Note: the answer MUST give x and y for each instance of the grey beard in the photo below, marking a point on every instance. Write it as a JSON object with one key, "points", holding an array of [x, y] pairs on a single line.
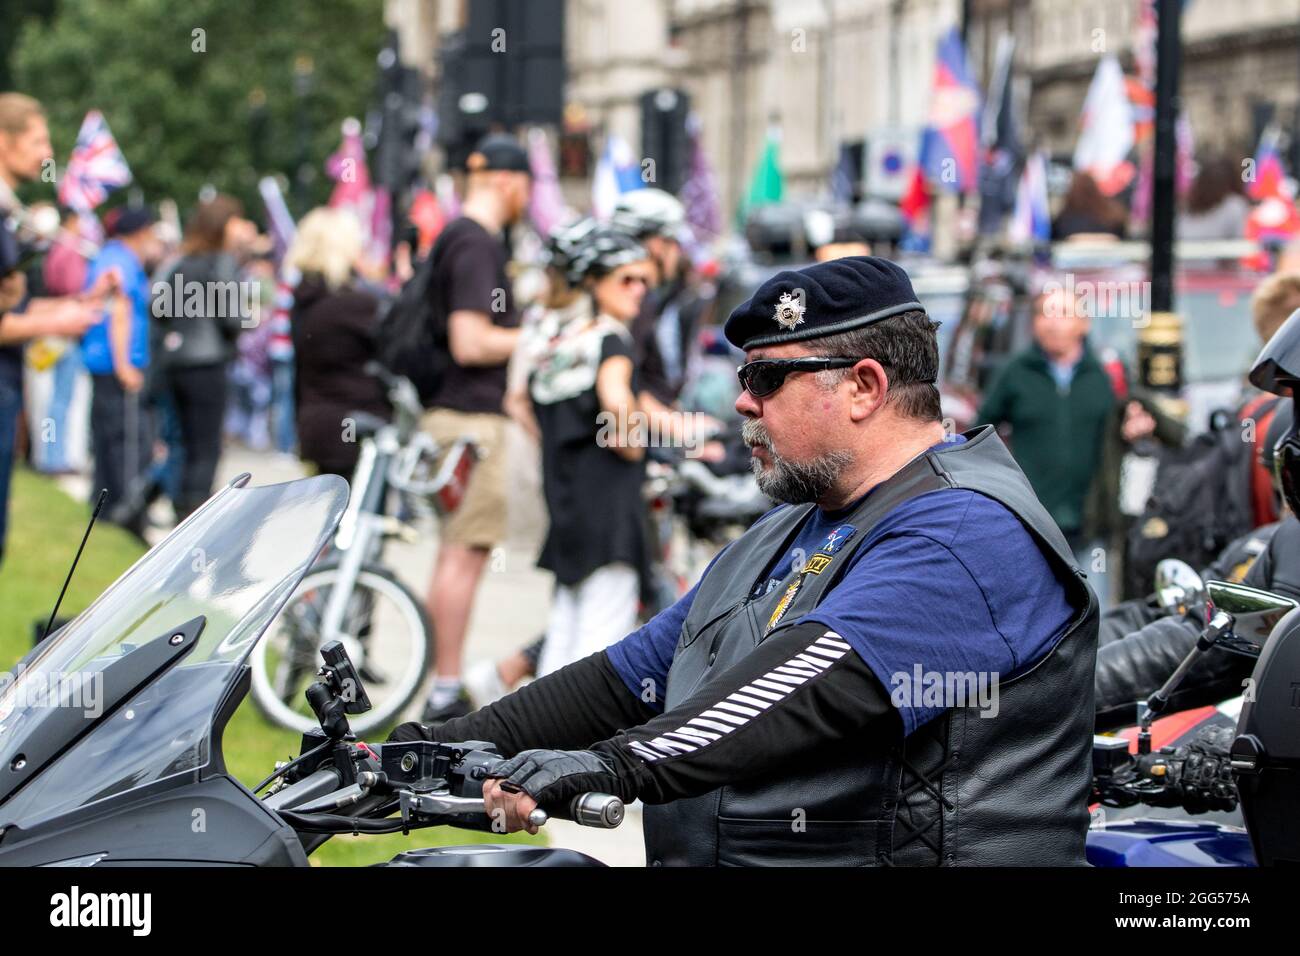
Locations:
{"points": [[794, 482]]}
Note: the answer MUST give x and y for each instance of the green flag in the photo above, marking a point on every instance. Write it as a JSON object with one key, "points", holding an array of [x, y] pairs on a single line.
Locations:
{"points": [[767, 184]]}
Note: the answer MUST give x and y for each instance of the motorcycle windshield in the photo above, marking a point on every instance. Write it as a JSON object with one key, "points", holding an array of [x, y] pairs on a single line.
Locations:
{"points": [[235, 561]]}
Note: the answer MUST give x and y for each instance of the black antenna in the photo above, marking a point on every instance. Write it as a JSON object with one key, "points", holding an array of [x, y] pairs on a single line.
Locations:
{"points": [[99, 503]]}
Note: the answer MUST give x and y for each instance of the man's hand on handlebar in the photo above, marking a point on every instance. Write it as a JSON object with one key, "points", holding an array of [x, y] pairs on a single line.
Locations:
{"points": [[511, 809], [547, 778]]}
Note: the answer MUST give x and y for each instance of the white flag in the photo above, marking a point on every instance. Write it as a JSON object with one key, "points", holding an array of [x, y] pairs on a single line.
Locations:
{"points": [[1106, 127]]}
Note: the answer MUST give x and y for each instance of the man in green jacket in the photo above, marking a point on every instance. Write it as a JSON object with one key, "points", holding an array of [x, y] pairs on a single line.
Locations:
{"points": [[1060, 406]]}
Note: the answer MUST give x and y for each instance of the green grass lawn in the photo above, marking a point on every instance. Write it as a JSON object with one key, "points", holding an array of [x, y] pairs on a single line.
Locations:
{"points": [[45, 527]]}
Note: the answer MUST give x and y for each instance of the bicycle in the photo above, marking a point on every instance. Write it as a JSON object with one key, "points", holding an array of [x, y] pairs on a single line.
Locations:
{"points": [[350, 595]]}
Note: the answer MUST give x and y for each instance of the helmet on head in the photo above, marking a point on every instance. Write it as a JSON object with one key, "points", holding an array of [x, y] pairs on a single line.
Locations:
{"points": [[1277, 370], [602, 250], [564, 243], [1278, 365], [649, 212]]}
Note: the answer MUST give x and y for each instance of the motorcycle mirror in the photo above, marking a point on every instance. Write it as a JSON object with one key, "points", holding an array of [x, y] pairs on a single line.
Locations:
{"points": [[1178, 587], [1256, 613]]}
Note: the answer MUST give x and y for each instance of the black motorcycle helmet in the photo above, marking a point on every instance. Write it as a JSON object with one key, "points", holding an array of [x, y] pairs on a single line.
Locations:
{"points": [[1277, 370]]}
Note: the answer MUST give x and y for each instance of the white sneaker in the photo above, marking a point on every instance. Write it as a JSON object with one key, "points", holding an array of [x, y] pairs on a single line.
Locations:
{"points": [[483, 683]]}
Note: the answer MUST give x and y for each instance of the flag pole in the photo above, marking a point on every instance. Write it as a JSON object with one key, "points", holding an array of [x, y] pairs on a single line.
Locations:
{"points": [[1163, 212], [1160, 339]]}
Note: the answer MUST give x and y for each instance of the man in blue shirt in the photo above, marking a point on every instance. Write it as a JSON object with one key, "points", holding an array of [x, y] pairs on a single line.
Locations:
{"points": [[115, 352], [895, 667]]}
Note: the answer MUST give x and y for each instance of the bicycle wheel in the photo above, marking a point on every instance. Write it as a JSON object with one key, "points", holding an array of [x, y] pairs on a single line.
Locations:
{"points": [[386, 634]]}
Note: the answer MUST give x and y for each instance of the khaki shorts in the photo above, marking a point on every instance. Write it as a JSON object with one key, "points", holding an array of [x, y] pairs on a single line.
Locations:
{"points": [[480, 521]]}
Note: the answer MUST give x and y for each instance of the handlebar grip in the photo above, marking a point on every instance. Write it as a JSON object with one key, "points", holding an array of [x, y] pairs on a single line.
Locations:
{"points": [[601, 810]]}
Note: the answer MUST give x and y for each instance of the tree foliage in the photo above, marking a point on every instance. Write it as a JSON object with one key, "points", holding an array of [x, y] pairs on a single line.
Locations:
{"points": [[204, 91]]}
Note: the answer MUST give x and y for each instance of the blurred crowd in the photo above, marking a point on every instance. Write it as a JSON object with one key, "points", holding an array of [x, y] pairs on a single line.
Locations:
{"points": [[140, 348], [159, 344]]}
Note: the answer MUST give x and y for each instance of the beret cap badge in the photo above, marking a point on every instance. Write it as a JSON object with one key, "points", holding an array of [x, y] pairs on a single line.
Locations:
{"points": [[789, 311]]}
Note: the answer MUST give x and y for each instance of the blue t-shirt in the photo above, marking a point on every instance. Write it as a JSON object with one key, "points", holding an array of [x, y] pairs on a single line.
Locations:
{"points": [[948, 583], [96, 351]]}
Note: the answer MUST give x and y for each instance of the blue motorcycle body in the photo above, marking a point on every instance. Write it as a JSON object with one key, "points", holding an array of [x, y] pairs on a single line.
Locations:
{"points": [[1170, 843]]}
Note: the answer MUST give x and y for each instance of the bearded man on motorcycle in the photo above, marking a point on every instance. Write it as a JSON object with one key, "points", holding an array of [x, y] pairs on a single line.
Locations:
{"points": [[1132, 665], [812, 700]]}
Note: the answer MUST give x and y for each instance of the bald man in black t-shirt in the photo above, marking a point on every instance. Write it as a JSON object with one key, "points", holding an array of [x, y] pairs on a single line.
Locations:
{"points": [[472, 292]]}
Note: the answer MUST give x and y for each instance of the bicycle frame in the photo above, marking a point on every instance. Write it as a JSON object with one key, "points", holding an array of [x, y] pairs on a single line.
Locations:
{"points": [[363, 526], [389, 461]]}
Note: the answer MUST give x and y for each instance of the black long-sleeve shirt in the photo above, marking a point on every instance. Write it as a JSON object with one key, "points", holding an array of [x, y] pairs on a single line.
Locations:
{"points": [[801, 689]]}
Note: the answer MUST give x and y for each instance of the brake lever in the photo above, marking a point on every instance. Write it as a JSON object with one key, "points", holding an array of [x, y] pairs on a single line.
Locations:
{"points": [[444, 804]]}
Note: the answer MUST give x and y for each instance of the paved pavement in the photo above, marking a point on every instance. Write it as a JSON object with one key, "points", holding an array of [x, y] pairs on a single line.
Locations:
{"points": [[511, 608]]}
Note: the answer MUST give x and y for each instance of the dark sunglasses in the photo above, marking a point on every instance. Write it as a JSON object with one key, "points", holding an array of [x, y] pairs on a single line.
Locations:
{"points": [[764, 376]]}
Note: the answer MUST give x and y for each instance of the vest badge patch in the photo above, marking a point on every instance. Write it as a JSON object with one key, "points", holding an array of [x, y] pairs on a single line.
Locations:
{"points": [[783, 605], [816, 564], [837, 538]]}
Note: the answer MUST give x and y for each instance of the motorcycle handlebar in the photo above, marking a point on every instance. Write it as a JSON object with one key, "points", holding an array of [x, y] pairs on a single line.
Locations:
{"points": [[319, 798], [309, 788], [600, 810]]}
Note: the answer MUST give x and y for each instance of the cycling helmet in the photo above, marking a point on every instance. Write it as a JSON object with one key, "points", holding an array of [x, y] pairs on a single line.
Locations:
{"points": [[563, 244], [649, 212], [602, 250]]}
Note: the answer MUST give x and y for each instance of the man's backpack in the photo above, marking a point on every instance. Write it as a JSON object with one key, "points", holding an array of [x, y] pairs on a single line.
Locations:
{"points": [[412, 335], [1202, 499]]}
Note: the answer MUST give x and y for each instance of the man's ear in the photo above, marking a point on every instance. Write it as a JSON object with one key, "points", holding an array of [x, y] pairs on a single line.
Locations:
{"points": [[868, 388]]}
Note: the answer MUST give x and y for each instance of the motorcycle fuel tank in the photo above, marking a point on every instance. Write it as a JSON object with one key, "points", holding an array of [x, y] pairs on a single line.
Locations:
{"points": [[1168, 843]]}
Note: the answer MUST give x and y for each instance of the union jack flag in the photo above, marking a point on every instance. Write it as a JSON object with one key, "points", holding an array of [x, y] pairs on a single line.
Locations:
{"points": [[96, 166]]}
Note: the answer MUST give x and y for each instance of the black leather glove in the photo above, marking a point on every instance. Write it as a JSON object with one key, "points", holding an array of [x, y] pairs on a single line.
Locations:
{"points": [[554, 777], [1206, 771]]}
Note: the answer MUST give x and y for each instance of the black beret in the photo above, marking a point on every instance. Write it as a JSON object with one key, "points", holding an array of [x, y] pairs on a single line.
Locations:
{"points": [[822, 299]]}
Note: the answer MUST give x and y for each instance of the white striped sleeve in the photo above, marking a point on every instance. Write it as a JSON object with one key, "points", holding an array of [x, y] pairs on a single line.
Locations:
{"points": [[743, 705]]}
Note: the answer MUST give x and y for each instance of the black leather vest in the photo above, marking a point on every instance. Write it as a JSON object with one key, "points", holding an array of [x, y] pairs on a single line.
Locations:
{"points": [[963, 789]]}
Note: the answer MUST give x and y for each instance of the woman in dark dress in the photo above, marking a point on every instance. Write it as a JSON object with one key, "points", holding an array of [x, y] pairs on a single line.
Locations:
{"points": [[333, 325], [580, 382], [194, 351]]}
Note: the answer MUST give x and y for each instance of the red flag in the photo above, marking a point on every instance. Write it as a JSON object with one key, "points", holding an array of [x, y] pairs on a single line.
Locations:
{"points": [[915, 201]]}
